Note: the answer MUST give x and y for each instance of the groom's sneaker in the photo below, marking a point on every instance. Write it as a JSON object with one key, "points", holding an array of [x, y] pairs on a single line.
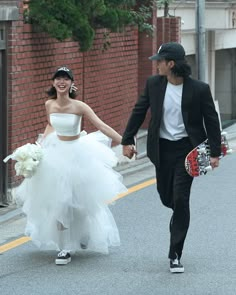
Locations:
{"points": [[63, 258], [176, 266]]}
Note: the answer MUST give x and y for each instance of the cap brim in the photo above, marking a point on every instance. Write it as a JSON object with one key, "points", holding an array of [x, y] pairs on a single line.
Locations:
{"points": [[156, 57], [57, 74]]}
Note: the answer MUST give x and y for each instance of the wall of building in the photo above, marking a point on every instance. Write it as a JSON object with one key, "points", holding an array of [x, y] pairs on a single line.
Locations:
{"points": [[109, 81], [106, 80], [224, 83], [220, 27]]}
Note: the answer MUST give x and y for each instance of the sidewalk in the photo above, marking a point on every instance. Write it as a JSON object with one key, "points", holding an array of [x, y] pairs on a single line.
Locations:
{"points": [[133, 172]]}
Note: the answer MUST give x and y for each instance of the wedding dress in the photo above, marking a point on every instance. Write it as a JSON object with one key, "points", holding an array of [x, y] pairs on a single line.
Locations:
{"points": [[66, 200]]}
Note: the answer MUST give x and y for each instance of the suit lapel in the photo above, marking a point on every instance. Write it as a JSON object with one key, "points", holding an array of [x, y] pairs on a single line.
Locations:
{"points": [[187, 97], [160, 92]]}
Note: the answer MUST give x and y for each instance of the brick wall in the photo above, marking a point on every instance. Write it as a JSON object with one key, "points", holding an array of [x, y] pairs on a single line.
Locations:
{"points": [[110, 78], [168, 30], [147, 47], [107, 80]]}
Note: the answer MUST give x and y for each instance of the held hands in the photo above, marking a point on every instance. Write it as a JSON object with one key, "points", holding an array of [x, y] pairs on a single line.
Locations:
{"points": [[129, 151], [214, 162]]}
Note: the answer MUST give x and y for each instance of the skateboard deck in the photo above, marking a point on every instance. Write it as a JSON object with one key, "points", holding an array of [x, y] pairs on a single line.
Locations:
{"points": [[197, 162]]}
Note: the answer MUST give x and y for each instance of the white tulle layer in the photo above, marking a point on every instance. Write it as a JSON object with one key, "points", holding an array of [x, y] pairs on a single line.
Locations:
{"points": [[66, 201]]}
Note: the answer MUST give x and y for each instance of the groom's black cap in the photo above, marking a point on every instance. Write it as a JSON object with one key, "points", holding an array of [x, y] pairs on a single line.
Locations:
{"points": [[170, 51]]}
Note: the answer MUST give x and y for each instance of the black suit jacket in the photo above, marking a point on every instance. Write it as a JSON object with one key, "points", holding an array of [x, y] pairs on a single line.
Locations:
{"points": [[199, 115]]}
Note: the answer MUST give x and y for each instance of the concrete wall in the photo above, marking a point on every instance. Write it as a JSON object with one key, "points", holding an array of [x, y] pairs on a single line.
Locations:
{"points": [[220, 26], [224, 83]]}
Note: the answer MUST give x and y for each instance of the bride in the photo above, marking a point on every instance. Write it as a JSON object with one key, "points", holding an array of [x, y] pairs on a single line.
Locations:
{"points": [[66, 200]]}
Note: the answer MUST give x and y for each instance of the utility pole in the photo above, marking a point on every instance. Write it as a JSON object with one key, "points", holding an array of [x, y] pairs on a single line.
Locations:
{"points": [[200, 40]]}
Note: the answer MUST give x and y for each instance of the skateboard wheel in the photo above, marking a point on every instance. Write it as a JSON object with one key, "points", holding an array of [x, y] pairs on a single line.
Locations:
{"points": [[208, 168], [229, 151]]}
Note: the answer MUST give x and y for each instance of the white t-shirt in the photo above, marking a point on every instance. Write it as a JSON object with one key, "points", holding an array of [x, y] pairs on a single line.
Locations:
{"points": [[172, 125]]}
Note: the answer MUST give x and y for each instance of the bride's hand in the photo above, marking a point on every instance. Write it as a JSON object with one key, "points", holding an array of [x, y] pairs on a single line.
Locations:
{"points": [[73, 88]]}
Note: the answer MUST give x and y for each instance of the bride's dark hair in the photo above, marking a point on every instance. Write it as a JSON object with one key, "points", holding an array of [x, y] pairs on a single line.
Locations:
{"points": [[53, 94]]}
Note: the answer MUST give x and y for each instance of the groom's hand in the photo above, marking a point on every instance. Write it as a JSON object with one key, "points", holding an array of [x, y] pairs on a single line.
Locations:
{"points": [[129, 151], [214, 162]]}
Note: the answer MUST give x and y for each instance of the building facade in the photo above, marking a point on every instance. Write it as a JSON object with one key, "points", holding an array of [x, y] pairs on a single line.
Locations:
{"points": [[106, 79], [220, 41], [8, 14], [109, 81]]}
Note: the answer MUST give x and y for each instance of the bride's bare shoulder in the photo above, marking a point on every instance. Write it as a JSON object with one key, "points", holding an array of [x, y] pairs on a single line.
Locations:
{"points": [[49, 102], [80, 106]]}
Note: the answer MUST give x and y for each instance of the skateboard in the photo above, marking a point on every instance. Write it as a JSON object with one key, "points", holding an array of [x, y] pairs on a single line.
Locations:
{"points": [[197, 162]]}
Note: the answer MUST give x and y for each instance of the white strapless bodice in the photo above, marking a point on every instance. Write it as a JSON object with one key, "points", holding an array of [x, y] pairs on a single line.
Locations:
{"points": [[66, 124]]}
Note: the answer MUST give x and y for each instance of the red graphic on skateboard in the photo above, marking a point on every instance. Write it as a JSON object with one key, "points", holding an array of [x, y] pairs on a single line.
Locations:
{"points": [[197, 162]]}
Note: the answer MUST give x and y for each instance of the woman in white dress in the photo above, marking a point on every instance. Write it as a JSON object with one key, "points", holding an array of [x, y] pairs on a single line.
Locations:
{"points": [[66, 200]]}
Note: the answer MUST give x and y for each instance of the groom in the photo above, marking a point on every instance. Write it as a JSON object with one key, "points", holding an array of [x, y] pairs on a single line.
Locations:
{"points": [[182, 116]]}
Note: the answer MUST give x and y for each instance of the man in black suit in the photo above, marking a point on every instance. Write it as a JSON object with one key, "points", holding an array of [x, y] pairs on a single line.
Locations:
{"points": [[182, 116]]}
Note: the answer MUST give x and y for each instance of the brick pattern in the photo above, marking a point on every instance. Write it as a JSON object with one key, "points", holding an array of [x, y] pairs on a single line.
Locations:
{"points": [[147, 47], [168, 30], [110, 78], [107, 80]]}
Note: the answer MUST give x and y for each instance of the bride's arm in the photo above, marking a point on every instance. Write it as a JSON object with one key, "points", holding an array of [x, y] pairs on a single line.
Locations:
{"points": [[49, 129], [99, 124]]}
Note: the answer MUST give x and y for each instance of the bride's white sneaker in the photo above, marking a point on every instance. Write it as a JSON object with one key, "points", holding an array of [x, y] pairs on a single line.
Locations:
{"points": [[63, 258]]}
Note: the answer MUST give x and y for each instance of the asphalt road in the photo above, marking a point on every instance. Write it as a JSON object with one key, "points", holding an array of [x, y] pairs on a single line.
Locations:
{"points": [[140, 266]]}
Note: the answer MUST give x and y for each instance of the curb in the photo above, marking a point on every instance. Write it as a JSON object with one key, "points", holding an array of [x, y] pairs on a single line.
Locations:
{"points": [[133, 166], [12, 214]]}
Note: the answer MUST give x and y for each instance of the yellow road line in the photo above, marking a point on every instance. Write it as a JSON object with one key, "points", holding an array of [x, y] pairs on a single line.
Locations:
{"points": [[14, 244], [24, 240], [136, 188]]}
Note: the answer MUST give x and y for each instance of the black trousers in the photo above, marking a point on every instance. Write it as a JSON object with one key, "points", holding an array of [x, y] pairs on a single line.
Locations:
{"points": [[174, 185]]}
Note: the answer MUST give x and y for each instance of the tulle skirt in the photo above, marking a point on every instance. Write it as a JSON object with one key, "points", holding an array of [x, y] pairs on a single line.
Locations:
{"points": [[66, 200]]}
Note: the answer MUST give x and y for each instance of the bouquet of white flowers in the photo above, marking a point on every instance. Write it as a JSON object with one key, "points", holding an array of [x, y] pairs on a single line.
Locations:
{"points": [[27, 159]]}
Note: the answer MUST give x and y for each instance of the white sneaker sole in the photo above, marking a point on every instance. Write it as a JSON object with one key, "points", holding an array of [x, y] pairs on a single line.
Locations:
{"points": [[177, 270], [62, 261]]}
